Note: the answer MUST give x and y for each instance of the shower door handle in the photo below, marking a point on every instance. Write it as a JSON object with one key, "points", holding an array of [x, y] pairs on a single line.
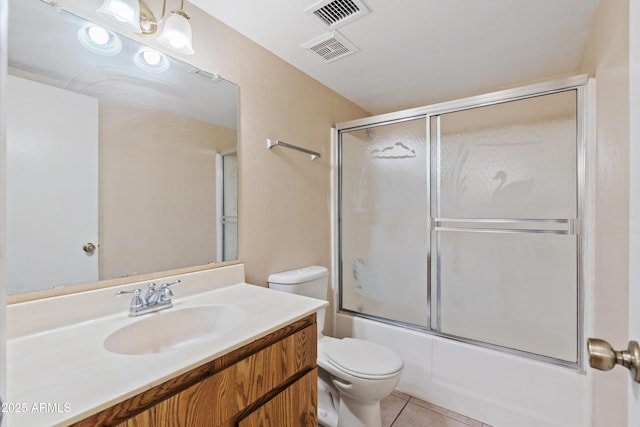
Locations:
{"points": [[603, 357]]}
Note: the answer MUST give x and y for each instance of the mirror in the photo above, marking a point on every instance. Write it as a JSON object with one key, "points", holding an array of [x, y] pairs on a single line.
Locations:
{"points": [[121, 160]]}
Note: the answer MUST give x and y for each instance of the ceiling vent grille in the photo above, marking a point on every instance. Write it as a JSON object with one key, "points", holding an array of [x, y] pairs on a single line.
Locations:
{"points": [[336, 13], [331, 46]]}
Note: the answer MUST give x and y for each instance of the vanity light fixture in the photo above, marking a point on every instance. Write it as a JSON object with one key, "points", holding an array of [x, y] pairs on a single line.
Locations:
{"points": [[126, 12], [99, 40], [176, 33], [138, 17]]}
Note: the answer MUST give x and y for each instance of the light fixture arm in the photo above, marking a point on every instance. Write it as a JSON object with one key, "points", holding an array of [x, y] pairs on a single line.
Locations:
{"points": [[164, 9], [148, 22]]}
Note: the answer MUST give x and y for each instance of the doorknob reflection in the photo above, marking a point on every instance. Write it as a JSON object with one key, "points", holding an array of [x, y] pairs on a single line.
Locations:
{"points": [[603, 357], [89, 248]]}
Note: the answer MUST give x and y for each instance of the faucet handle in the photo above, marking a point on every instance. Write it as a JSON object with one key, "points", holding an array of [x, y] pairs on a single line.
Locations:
{"points": [[175, 282], [136, 301], [165, 292]]}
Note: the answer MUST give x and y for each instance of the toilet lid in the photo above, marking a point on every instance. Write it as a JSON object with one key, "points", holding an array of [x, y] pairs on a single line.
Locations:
{"points": [[362, 358]]}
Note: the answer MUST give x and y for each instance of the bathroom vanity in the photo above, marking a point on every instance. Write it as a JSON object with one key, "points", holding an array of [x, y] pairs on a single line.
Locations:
{"points": [[272, 378], [260, 371]]}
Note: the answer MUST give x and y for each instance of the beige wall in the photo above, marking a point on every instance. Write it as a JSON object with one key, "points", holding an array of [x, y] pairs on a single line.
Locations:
{"points": [[157, 201], [284, 200], [607, 57]]}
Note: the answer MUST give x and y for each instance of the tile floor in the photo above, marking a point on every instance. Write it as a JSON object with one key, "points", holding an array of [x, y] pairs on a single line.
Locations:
{"points": [[401, 410]]}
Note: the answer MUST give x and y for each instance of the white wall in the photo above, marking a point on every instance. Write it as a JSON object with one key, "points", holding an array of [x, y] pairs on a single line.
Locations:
{"points": [[634, 197], [3, 76], [607, 58]]}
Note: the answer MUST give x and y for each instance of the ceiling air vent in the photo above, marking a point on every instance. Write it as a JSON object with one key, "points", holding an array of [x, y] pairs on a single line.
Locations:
{"points": [[335, 13], [331, 46]]}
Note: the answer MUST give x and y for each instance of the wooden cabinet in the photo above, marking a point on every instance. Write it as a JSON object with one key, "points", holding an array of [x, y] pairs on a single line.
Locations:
{"points": [[295, 406], [269, 382]]}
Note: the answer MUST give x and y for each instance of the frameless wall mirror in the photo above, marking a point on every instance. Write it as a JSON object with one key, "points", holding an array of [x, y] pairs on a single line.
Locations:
{"points": [[121, 160]]}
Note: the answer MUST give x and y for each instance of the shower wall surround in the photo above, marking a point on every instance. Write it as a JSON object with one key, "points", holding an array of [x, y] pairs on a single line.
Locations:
{"points": [[461, 226]]}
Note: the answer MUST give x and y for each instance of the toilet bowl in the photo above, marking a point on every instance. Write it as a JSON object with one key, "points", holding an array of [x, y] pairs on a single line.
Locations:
{"points": [[354, 375], [364, 373]]}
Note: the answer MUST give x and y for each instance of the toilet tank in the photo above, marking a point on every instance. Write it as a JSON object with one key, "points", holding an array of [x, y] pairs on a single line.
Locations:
{"points": [[309, 281]]}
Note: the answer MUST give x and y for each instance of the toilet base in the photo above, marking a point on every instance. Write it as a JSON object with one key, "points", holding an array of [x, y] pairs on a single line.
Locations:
{"points": [[340, 411], [328, 401], [358, 414]]}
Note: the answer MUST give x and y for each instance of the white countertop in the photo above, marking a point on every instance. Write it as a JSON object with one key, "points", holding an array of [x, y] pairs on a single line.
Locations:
{"points": [[59, 376]]}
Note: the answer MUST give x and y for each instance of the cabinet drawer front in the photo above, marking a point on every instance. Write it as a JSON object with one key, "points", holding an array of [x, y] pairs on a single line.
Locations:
{"points": [[218, 399], [295, 406]]}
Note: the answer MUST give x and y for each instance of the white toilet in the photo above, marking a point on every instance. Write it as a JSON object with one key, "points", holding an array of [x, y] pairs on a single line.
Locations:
{"points": [[354, 375]]}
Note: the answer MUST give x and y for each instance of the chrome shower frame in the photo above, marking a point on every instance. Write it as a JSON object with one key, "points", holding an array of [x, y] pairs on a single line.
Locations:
{"points": [[571, 226]]}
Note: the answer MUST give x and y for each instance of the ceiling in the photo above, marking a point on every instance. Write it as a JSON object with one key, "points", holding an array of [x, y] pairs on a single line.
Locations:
{"points": [[417, 52]]}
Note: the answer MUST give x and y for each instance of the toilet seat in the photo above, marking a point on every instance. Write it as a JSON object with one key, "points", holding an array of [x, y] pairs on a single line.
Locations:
{"points": [[362, 359]]}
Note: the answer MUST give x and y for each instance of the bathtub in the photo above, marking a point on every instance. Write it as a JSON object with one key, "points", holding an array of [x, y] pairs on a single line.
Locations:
{"points": [[496, 388]]}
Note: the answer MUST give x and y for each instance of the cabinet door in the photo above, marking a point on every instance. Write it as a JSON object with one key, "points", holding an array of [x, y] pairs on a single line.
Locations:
{"points": [[295, 406]]}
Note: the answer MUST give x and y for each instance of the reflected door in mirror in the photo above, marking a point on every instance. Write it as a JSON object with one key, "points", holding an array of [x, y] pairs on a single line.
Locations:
{"points": [[52, 181]]}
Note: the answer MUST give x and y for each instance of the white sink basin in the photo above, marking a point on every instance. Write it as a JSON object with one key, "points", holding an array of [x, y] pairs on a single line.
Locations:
{"points": [[169, 330]]}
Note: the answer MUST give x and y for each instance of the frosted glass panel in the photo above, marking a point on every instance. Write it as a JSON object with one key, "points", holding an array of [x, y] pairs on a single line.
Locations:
{"points": [[513, 290], [505, 180], [384, 217], [511, 160]]}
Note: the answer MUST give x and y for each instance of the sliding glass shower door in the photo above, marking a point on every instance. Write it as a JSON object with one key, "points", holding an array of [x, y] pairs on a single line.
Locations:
{"points": [[504, 216], [464, 220], [384, 221]]}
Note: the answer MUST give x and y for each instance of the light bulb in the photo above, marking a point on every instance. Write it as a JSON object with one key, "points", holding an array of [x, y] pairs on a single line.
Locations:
{"points": [[151, 61], [151, 57], [98, 35], [99, 40]]}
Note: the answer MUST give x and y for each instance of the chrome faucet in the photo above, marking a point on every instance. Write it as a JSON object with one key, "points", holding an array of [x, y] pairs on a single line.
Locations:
{"points": [[155, 299]]}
